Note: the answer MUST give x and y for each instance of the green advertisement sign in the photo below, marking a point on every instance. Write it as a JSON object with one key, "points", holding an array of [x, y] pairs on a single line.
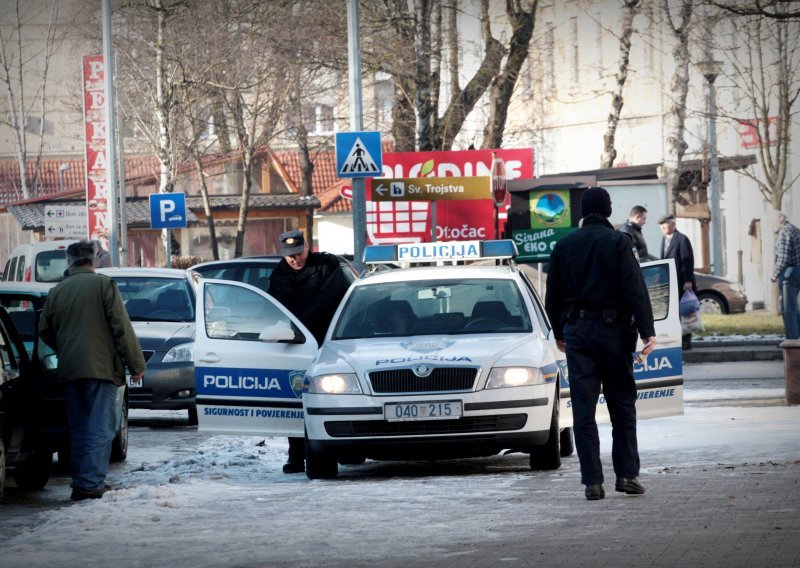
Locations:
{"points": [[535, 245], [550, 219]]}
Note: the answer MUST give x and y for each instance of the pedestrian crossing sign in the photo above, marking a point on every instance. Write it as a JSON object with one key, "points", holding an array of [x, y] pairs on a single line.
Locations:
{"points": [[358, 154]]}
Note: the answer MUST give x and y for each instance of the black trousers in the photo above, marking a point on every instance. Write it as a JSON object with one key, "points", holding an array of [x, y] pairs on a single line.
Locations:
{"points": [[297, 450], [601, 355]]}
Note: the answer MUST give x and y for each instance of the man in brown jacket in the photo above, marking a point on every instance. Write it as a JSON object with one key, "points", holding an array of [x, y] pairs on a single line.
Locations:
{"points": [[86, 323]]}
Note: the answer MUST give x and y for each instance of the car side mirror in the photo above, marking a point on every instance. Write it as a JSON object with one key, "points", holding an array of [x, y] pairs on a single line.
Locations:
{"points": [[281, 332]]}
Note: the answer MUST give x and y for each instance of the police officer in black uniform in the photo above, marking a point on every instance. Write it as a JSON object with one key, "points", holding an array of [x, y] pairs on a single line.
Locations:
{"points": [[597, 301], [310, 285]]}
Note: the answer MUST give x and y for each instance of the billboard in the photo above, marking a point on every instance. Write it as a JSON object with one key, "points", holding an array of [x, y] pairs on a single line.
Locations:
{"points": [[412, 221]]}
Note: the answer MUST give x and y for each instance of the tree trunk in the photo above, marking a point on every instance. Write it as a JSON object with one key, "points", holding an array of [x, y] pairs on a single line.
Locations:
{"points": [[522, 25], [676, 116], [609, 151], [212, 231]]}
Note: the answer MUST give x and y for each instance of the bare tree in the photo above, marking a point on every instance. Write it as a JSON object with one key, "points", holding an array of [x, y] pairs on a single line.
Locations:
{"points": [[679, 88], [17, 64], [763, 62], [399, 42], [501, 90], [777, 9], [629, 9]]}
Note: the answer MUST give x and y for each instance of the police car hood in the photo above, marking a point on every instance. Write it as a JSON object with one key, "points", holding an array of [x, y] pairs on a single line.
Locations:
{"points": [[484, 350]]}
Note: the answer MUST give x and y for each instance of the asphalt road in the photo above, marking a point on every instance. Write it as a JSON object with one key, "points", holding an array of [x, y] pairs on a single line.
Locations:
{"points": [[159, 436]]}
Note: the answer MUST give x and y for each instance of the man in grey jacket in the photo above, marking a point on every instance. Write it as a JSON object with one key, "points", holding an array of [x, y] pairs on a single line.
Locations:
{"points": [[86, 323]]}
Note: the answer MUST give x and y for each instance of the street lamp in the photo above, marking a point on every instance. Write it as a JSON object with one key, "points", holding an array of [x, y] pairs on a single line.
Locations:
{"points": [[499, 190], [710, 69], [62, 169]]}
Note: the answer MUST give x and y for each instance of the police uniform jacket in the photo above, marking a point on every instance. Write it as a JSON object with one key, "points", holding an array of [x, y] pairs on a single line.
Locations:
{"points": [[313, 293], [634, 231], [85, 321], [594, 269]]}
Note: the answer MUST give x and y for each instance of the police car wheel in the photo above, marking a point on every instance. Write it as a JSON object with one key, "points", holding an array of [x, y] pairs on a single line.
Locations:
{"points": [[33, 473], [320, 465], [567, 444], [548, 455]]}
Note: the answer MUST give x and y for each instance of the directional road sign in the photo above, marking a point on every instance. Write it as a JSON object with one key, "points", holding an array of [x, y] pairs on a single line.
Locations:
{"points": [[358, 154], [431, 188], [65, 222], [167, 210]]}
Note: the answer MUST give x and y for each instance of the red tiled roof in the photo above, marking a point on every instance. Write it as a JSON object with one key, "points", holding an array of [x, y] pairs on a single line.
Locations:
{"points": [[327, 185]]}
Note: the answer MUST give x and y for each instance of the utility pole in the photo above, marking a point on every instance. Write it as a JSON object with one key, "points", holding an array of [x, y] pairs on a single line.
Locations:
{"points": [[111, 154], [710, 69], [356, 125]]}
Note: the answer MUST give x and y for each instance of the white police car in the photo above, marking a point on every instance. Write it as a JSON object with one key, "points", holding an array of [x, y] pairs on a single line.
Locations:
{"points": [[419, 363]]}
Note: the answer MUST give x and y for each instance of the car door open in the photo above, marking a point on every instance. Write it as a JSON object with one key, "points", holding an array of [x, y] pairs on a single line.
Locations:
{"points": [[250, 360], [659, 378]]}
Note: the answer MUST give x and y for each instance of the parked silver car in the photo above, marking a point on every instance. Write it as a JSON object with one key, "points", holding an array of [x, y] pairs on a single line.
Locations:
{"points": [[161, 305]]}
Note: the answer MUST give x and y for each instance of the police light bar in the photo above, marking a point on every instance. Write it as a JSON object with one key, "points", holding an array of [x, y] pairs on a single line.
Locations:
{"points": [[442, 251]]}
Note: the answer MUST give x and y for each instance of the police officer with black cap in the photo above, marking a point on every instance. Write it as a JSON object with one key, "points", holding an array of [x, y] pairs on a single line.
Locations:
{"points": [[310, 285], [597, 302]]}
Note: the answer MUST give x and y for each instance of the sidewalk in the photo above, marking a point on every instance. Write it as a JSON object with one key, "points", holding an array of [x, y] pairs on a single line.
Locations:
{"points": [[720, 350]]}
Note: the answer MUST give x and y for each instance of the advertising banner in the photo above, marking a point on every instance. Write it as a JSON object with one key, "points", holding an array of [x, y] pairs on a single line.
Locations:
{"points": [[468, 219], [98, 191]]}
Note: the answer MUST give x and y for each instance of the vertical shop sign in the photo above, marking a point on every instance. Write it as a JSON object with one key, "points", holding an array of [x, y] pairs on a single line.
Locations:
{"points": [[96, 130]]}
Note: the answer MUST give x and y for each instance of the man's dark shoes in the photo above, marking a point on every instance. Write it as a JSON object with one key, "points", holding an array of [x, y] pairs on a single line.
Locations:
{"points": [[595, 492], [629, 485], [294, 467], [81, 494]]}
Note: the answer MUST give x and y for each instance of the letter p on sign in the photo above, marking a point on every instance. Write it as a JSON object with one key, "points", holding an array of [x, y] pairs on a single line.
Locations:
{"points": [[167, 210]]}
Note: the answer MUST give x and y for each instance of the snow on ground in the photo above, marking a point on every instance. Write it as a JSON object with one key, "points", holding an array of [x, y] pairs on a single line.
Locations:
{"points": [[225, 501]]}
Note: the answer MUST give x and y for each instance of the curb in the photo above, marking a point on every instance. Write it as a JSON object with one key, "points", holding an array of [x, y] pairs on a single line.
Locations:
{"points": [[731, 351]]}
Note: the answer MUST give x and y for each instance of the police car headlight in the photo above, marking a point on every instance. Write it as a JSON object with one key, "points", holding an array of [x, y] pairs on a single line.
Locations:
{"points": [[180, 354], [514, 377], [340, 383]]}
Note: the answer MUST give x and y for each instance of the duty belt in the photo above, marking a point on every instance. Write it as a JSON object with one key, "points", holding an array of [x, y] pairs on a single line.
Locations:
{"points": [[608, 316]]}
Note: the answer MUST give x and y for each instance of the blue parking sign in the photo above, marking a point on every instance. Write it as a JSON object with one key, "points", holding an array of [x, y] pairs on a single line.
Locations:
{"points": [[359, 154], [167, 210]]}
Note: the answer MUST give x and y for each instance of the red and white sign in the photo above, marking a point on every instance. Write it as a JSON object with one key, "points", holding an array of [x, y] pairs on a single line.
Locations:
{"points": [[410, 221], [752, 132], [98, 189]]}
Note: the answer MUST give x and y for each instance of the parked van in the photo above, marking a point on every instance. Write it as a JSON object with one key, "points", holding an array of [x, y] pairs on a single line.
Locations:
{"points": [[37, 262]]}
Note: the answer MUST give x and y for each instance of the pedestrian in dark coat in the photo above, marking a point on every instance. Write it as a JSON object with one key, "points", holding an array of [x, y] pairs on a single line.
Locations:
{"points": [[677, 246], [310, 285], [85, 322], [597, 302]]}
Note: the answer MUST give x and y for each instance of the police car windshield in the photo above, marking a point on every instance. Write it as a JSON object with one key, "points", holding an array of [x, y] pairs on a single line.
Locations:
{"points": [[465, 306]]}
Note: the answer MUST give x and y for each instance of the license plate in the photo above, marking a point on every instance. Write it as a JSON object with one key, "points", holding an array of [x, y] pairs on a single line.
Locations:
{"points": [[431, 410], [133, 385]]}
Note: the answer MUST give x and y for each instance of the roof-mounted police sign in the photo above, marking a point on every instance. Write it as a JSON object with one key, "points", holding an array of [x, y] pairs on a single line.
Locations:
{"points": [[167, 210], [358, 154]]}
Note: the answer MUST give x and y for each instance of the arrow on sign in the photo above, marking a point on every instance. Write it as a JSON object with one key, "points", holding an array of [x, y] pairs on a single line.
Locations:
{"points": [[381, 190], [50, 213]]}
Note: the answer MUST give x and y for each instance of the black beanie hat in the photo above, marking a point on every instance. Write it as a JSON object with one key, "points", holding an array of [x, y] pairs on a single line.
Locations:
{"points": [[596, 200]]}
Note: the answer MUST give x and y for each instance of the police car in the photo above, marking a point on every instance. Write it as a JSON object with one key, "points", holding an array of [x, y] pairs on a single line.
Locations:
{"points": [[418, 363]]}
